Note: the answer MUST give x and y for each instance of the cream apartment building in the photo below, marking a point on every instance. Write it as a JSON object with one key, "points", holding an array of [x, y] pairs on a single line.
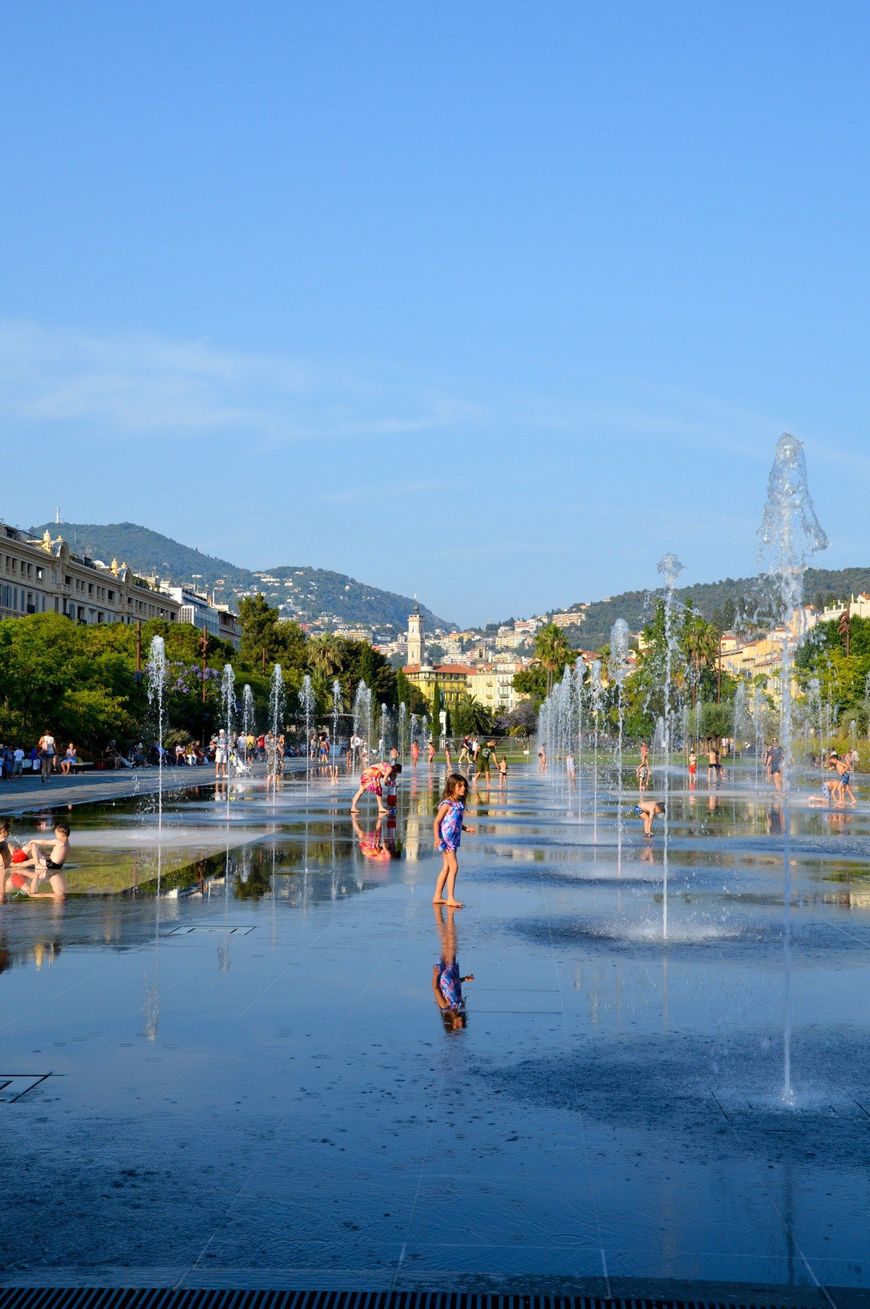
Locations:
{"points": [[44, 576]]}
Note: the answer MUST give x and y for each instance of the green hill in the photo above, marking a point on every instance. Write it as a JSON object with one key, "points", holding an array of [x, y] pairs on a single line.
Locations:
{"points": [[717, 601], [300, 592]]}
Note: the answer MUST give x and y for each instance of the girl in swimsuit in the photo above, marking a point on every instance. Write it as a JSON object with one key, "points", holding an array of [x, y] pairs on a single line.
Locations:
{"points": [[447, 833], [373, 780]]}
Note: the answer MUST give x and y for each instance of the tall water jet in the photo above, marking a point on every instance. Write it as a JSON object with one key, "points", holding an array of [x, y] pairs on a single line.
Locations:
{"points": [[370, 726], [384, 737], [228, 701], [815, 719], [359, 712], [307, 704], [156, 698], [758, 708], [595, 692], [789, 534], [670, 568], [336, 710], [579, 691], [739, 715], [403, 730], [618, 668], [277, 696], [248, 715]]}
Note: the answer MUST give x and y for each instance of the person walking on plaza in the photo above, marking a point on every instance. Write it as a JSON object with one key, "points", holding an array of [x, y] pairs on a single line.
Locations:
{"points": [[774, 760], [221, 755], [485, 758], [47, 751], [693, 769], [415, 753], [642, 771], [714, 763], [447, 832]]}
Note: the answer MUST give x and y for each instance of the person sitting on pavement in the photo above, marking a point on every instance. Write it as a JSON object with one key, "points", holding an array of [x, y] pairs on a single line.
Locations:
{"points": [[46, 867]]}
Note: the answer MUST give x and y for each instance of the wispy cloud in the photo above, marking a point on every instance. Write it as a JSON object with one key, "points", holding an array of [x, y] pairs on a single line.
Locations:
{"points": [[140, 382]]}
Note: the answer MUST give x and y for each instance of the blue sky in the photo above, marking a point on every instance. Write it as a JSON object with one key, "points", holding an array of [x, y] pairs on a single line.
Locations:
{"points": [[493, 302]]}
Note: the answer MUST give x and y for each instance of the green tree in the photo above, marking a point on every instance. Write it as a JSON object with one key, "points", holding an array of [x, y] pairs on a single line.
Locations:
{"points": [[553, 652], [699, 643], [469, 717], [532, 682], [268, 638]]}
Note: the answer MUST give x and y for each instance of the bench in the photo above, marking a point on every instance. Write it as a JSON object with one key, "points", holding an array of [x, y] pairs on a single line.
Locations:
{"points": [[80, 765]]}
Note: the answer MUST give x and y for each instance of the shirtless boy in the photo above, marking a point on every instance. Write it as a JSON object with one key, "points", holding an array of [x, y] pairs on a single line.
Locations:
{"points": [[648, 810], [47, 867], [59, 850]]}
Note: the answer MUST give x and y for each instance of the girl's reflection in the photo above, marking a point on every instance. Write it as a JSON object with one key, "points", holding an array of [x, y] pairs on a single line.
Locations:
{"points": [[446, 979], [372, 845]]}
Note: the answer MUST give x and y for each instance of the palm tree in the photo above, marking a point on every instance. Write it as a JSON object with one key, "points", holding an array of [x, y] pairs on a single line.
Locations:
{"points": [[325, 656], [700, 642], [553, 652], [472, 717]]}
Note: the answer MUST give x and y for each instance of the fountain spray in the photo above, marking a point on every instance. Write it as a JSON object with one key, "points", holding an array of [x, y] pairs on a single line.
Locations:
{"points": [[595, 689], [276, 701], [670, 568], [247, 715], [618, 669], [403, 730], [156, 696], [789, 533], [359, 710], [579, 672], [306, 700], [336, 710], [228, 700]]}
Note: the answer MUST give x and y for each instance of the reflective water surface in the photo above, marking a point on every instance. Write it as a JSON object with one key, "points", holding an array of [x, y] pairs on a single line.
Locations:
{"points": [[249, 1079]]}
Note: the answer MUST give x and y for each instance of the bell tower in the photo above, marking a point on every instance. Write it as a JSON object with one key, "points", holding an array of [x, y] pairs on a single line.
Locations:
{"points": [[415, 636]]}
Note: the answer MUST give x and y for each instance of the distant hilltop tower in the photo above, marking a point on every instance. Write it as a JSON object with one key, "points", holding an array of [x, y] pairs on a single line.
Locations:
{"points": [[415, 636]]}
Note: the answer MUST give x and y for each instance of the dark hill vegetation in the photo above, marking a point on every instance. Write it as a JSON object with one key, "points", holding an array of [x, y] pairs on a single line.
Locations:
{"points": [[719, 602], [299, 592]]}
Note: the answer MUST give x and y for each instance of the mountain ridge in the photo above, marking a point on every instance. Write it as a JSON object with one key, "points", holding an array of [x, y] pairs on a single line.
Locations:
{"points": [[714, 600], [300, 591], [313, 590]]}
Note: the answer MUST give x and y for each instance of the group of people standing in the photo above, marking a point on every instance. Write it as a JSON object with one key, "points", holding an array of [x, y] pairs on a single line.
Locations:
{"points": [[43, 758]]}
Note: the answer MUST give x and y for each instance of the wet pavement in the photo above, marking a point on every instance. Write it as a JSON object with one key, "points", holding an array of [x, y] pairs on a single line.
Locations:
{"points": [[246, 1080]]}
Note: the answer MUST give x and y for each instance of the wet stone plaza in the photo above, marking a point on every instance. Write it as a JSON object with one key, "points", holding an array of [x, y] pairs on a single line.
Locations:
{"points": [[245, 1079]]}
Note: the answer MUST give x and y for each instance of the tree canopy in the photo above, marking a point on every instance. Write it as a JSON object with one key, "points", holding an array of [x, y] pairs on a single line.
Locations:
{"points": [[82, 683]]}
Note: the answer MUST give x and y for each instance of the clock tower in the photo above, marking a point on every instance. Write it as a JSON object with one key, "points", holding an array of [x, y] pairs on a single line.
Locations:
{"points": [[415, 637]]}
